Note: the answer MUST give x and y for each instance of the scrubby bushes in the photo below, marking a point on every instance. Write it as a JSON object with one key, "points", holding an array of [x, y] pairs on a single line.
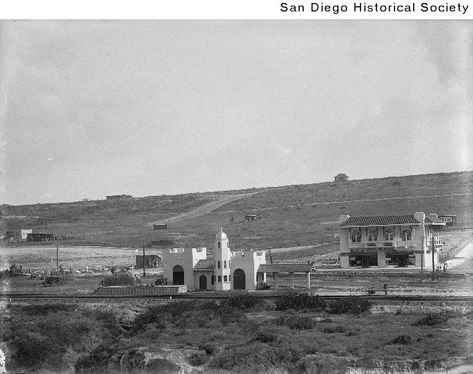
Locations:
{"points": [[401, 339], [296, 322], [244, 301], [96, 360], [197, 359], [259, 357], [432, 319], [352, 305], [31, 351], [188, 314], [300, 301], [292, 300], [334, 329], [43, 309], [120, 278]]}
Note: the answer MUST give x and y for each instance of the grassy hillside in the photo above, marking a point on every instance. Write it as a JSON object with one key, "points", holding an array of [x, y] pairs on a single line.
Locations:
{"points": [[291, 215]]}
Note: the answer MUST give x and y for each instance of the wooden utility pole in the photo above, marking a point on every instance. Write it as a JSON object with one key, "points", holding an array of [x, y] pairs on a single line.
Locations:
{"points": [[57, 257], [433, 255], [422, 258], [144, 266]]}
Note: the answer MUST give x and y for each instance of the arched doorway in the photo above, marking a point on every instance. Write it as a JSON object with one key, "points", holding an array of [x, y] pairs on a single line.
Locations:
{"points": [[203, 282], [177, 275], [239, 282]]}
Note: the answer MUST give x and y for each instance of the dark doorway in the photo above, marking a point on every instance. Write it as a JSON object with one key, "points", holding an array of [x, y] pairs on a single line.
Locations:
{"points": [[398, 259], [239, 282], [177, 275], [363, 259], [203, 282]]}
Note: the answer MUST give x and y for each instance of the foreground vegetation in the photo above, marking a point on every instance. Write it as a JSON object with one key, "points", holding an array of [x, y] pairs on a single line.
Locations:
{"points": [[296, 333]]}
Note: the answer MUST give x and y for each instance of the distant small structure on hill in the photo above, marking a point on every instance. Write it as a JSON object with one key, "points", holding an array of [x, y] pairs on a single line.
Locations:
{"points": [[341, 177], [160, 226], [449, 219], [251, 217], [118, 197]]}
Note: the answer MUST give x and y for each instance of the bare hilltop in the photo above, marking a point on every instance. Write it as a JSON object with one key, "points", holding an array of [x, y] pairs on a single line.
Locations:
{"points": [[287, 216]]}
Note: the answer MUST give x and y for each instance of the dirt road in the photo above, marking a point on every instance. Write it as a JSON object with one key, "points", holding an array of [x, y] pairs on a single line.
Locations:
{"points": [[463, 261], [206, 208]]}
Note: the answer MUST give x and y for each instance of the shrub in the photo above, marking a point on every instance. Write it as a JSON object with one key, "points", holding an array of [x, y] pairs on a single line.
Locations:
{"points": [[296, 322], [258, 357], [31, 351], [197, 359], [334, 329], [118, 279], [323, 363], [209, 348], [96, 360], [401, 339], [265, 337], [432, 319], [43, 309], [243, 301], [293, 300], [63, 332], [187, 314], [352, 305]]}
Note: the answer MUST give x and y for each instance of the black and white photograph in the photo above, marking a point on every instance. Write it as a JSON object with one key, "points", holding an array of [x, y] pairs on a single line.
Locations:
{"points": [[236, 196]]}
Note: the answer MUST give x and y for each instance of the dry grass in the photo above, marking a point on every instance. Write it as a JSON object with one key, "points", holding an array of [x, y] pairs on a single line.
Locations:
{"points": [[291, 216]]}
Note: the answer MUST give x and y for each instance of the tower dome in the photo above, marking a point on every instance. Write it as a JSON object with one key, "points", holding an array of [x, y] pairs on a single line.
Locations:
{"points": [[221, 235]]}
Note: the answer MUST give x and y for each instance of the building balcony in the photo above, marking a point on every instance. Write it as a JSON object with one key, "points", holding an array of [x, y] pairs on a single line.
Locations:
{"points": [[382, 244]]}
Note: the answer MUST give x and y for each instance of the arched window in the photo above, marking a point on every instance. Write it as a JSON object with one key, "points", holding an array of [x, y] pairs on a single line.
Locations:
{"points": [[406, 234], [372, 235], [356, 236], [177, 275], [389, 234], [239, 280]]}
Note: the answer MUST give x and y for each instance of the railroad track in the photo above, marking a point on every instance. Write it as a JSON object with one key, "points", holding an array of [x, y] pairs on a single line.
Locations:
{"points": [[209, 296]]}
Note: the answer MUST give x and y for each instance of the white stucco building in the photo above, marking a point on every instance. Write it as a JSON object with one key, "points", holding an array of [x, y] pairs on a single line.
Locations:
{"points": [[389, 240], [226, 270]]}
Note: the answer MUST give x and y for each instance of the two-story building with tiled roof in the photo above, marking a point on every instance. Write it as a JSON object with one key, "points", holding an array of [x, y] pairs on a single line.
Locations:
{"points": [[404, 240]]}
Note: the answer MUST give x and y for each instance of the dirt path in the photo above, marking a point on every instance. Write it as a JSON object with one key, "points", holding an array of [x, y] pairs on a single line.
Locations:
{"points": [[462, 260], [206, 208]]}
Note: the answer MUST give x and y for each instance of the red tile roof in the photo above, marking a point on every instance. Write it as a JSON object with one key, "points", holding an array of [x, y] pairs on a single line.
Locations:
{"points": [[285, 268], [380, 221], [204, 265]]}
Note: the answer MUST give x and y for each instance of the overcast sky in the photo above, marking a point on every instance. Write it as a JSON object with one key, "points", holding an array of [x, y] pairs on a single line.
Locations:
{"points": [[93, 108]]}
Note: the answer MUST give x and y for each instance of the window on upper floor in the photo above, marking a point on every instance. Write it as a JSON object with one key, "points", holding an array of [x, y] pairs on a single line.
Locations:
{"points": [[389, 234], [372, 235], [219, 245], [406, 234], [219, 279], [225, 278], [224, 264], [218, 264], [356, 236]]}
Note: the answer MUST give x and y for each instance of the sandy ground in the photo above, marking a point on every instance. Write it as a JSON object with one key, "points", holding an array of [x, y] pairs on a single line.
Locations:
{"points": [[463, 260], [75, 257]]}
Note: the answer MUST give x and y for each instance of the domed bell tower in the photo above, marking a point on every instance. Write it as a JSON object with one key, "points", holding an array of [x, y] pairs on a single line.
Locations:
{"points": [[222, 262]]}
